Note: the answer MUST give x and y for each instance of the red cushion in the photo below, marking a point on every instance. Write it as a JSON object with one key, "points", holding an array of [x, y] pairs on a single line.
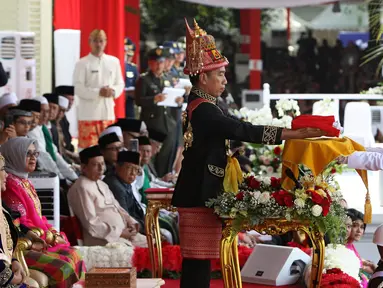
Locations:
{"points": [[324, 123]]}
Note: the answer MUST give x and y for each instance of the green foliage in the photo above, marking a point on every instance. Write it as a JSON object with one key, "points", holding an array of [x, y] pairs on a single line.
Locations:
{"points": [[166, 18], [375, 53]]}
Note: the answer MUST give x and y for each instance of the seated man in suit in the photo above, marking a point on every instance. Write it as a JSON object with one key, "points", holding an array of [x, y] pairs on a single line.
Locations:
{"points": [[120, 183]]}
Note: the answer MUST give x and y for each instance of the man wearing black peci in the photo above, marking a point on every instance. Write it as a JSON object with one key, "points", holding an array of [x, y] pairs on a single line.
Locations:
{"points": [[205, 157]]}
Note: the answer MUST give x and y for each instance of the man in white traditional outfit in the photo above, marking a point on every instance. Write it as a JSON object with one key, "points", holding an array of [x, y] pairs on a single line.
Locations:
{"points": [[98, 82], [371, 159], [45, 160], [102, 218]]}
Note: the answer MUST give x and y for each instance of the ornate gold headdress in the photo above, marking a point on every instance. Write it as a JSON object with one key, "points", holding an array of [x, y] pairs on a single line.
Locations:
{"points": [[201, 52]]}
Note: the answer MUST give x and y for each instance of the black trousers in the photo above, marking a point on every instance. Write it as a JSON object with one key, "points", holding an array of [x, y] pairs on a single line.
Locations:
{"points": [[195, 273]]}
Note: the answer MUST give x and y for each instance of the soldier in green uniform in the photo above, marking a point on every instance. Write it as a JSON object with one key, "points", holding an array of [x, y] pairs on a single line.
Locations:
{"points": [[205, 156], [149, 91]]}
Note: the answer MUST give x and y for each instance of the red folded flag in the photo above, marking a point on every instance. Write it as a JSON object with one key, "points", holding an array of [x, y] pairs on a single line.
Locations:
{"points": [[325, 123]]}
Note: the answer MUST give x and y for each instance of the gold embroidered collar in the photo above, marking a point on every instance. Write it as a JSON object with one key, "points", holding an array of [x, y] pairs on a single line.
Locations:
{"points": [[204, 95]]}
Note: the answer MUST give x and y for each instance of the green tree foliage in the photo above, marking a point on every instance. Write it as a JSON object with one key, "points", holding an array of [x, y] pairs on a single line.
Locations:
{"points": [[165, 19]]}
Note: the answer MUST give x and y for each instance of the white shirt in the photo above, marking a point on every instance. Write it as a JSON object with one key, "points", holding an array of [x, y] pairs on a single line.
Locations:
{"points": [[90, 75], [371, 159], [46, 163]]}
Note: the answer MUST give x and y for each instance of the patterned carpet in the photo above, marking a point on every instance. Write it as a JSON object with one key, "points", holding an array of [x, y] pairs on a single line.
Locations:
{"points": [[219, 284]]}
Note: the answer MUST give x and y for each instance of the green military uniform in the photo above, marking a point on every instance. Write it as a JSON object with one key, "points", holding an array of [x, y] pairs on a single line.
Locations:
{"points": [[157, 117]]}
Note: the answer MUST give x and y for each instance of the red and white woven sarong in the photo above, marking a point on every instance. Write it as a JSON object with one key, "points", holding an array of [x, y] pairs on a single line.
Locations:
{"points": [[200, 233], [89, 132]]}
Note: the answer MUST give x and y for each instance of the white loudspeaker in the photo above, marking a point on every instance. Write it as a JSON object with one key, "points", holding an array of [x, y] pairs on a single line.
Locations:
{"points": [[274, 265]]}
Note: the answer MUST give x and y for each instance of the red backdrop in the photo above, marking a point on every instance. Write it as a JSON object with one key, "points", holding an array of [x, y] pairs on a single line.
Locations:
{"points": [[132, 25], [66, 14], [109, 16]]}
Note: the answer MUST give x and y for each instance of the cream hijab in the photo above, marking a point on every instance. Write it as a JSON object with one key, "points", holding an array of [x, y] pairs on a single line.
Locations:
{"points": [[15, 153], [5, 254]]}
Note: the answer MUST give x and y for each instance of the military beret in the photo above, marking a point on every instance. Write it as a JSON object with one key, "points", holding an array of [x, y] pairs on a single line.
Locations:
{"points": [[173, 45], [156, 54]]}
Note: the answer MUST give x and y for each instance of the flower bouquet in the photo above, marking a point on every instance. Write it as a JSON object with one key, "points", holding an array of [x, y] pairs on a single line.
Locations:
{"points": [[287, 109], [341, 268], [317, 201], [267, 160]]}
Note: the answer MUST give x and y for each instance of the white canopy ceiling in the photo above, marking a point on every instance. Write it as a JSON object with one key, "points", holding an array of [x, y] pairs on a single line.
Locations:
{"points": [[351, 17], [242, 4], [279, 21]]}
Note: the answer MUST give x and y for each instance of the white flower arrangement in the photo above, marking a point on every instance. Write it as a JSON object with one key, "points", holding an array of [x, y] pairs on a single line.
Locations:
{"points": [[112, 255], [325, 107], [285, 105], [337, 256], [264, 116], [378, 90]]}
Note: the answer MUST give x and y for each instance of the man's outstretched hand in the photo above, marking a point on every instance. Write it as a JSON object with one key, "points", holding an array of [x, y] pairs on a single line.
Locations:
{"points": [[302, 133]]}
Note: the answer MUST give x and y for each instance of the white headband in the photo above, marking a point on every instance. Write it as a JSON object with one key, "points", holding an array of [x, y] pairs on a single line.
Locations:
{"points": [[112, 129], [7, 99], [63, 102]]}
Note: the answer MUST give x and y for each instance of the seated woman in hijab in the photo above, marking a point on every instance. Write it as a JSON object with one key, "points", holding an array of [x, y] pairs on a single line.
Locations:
{"points": [[11, 271], [60, 262]]}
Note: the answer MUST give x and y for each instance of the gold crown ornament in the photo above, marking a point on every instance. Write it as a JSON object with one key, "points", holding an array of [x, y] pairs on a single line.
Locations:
{"points": [[202, 54]]}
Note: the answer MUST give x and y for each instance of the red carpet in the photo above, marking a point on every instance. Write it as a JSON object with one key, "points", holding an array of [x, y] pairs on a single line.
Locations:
{"points": [[219, 284]]}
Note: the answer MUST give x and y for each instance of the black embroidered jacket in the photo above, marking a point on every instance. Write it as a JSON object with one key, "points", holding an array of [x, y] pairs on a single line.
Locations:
{"points": [[204, 163]]}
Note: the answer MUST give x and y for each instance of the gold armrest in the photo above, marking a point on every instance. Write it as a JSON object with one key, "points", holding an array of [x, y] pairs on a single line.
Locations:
{"points": [[49, 236], [38, 231], [23, 244]]}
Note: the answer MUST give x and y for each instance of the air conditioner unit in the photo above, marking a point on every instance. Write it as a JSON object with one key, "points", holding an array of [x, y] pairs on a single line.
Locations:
{"points": [[377, 119], [34, 16], [8, 47], [26, 65], [47, 186]]}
